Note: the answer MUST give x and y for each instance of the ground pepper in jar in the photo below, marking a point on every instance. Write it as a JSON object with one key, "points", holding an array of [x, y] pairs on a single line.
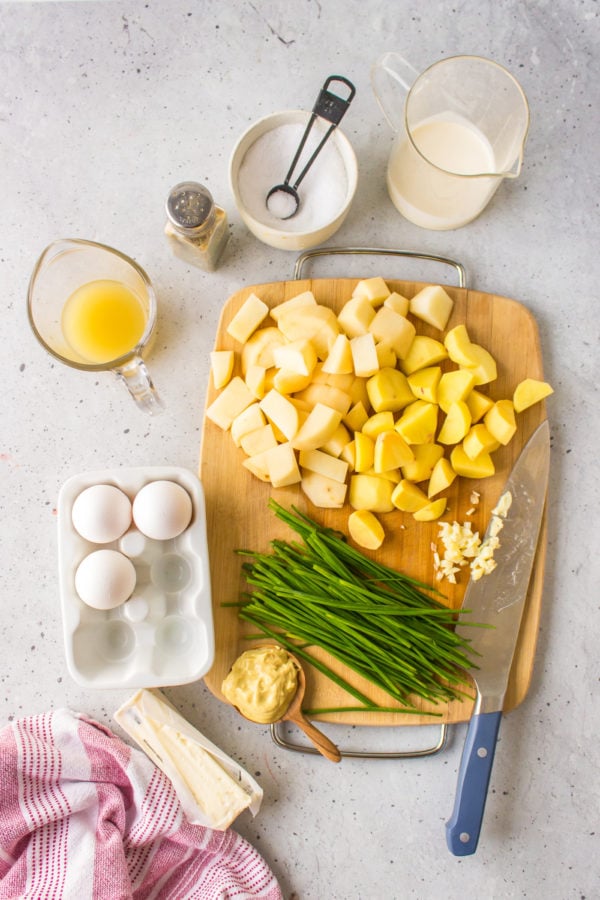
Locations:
{"points": [[196, 227]]}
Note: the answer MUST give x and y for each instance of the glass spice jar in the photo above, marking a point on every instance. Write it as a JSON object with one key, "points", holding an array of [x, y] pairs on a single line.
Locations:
{"points": [[196, 227]]}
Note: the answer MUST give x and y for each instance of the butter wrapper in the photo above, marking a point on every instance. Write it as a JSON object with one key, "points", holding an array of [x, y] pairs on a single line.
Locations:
{"points": [[212, 788]]}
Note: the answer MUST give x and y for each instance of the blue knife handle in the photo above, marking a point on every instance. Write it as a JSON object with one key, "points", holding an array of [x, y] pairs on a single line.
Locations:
{"points": [[464, 825]]}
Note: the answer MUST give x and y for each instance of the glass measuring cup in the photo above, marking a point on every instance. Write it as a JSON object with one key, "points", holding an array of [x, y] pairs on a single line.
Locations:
{"points": [[460, 128], [94, 309]]}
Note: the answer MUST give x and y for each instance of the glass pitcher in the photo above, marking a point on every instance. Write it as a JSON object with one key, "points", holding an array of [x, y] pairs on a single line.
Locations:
{"points": [[460, 128], [93, 308]]}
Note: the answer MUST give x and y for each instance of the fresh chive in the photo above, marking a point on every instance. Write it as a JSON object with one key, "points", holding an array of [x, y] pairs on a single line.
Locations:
{"points": [[390, 629]]}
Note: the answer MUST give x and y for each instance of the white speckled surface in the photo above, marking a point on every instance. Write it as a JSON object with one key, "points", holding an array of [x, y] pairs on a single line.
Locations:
{"points": [[104, 106]]}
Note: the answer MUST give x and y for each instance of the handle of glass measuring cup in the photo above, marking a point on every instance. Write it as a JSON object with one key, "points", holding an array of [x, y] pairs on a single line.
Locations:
{"points": [[392, 77], [136, 378]]}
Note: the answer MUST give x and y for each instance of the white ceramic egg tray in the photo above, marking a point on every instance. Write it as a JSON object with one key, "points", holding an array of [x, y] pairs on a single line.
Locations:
{"points": [[163, 634]]}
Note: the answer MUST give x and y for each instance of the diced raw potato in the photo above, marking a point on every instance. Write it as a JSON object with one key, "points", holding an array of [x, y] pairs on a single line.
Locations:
{"points": [[388, 390], [221, 366], [381, 421], [418, 422], [355, 316], [424, 383], [393, 475], [320, 424], [478, 404], [258, 350], [391, 452], [282, 465], [258, 466], [358, 392], [456, 424], [458, 344], [327, 395], [255, 379], [339, 358], [480, 467], [426, 457], [441, 477], [348, 454], [530, 391], [393, 328], [317, 324], [306, 298], [356, 417], [298, 356], [343, 382], [249, 420], [289, 382], [247, 319], [281, 412], [258, 441], [375, 290], [479, 440], [371, 492], [322, 491], [337, 441], [233, 399], [398, 303], [365, 529], [386, 355], [407, 497], [453, 386], [324, 464], [500, 421], [484, 368], [318, 375], [432, 305], [424, 352], [364, 452], [432, 511], [364, 355]]}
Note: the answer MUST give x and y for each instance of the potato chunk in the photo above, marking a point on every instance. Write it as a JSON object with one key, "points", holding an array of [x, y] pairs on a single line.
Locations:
{"points": [[432, 305], [247, 319], [500, 421], [530, 391], [371, 492], [389, 390], [366, 529]]}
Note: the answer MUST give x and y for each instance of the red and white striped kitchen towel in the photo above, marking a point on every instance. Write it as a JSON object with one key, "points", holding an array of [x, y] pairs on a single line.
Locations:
{"points": [[83, 816]]}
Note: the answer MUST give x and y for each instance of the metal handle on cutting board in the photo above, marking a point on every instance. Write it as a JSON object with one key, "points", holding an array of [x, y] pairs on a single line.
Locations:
{"points": [[459, 269], [379, 251]]}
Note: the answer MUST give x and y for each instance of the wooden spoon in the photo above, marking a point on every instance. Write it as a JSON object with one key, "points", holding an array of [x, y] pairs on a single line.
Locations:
{"points": [[294, 714]]}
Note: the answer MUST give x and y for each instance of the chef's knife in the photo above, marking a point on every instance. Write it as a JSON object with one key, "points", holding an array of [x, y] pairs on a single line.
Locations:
{"points": [[497, 599]]}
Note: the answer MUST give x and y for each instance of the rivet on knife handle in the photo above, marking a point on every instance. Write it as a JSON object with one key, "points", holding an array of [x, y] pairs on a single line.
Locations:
{"points": [[464, 825]]}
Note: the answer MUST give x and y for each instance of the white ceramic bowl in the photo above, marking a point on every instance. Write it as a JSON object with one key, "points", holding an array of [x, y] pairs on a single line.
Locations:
{"points": [[281, 234]]}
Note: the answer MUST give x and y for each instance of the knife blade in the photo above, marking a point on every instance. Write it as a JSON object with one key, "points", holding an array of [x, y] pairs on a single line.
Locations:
{"points": [[497, 599]]}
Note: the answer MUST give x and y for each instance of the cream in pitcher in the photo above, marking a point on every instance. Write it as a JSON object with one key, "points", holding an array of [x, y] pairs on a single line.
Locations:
{"points": [[460, 129]]}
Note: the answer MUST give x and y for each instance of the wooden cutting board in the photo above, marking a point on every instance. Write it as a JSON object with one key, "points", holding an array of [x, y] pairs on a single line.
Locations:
{"points": [[238, 517]]}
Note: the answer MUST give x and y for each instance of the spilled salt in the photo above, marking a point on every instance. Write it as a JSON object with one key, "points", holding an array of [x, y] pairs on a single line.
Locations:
{"points": [[323, 190]]}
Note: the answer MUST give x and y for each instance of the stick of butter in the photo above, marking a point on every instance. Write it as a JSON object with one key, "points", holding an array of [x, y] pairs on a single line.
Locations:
{"points": [[212, 788]]}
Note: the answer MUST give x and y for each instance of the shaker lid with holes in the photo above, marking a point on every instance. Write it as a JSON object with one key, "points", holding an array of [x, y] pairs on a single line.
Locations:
{"points": [[190, 206]]}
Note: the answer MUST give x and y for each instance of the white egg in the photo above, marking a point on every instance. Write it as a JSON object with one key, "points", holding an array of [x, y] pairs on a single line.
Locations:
{"points": [[105, 579], [101, 513], [162, 510]]}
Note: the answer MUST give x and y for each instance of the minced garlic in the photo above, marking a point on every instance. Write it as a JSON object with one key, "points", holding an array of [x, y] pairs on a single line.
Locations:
{"points": [[463, 546]]}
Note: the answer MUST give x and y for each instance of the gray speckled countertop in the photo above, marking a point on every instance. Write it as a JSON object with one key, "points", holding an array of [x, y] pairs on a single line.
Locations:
{"points": [[103, 107]]}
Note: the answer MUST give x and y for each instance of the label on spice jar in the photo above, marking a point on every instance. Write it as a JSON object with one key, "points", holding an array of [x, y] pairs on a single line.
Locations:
{"points": [[323, 190]]}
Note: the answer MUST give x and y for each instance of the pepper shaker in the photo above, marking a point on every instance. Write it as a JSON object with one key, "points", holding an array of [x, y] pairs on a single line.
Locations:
{"points": [[196, 227]]}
